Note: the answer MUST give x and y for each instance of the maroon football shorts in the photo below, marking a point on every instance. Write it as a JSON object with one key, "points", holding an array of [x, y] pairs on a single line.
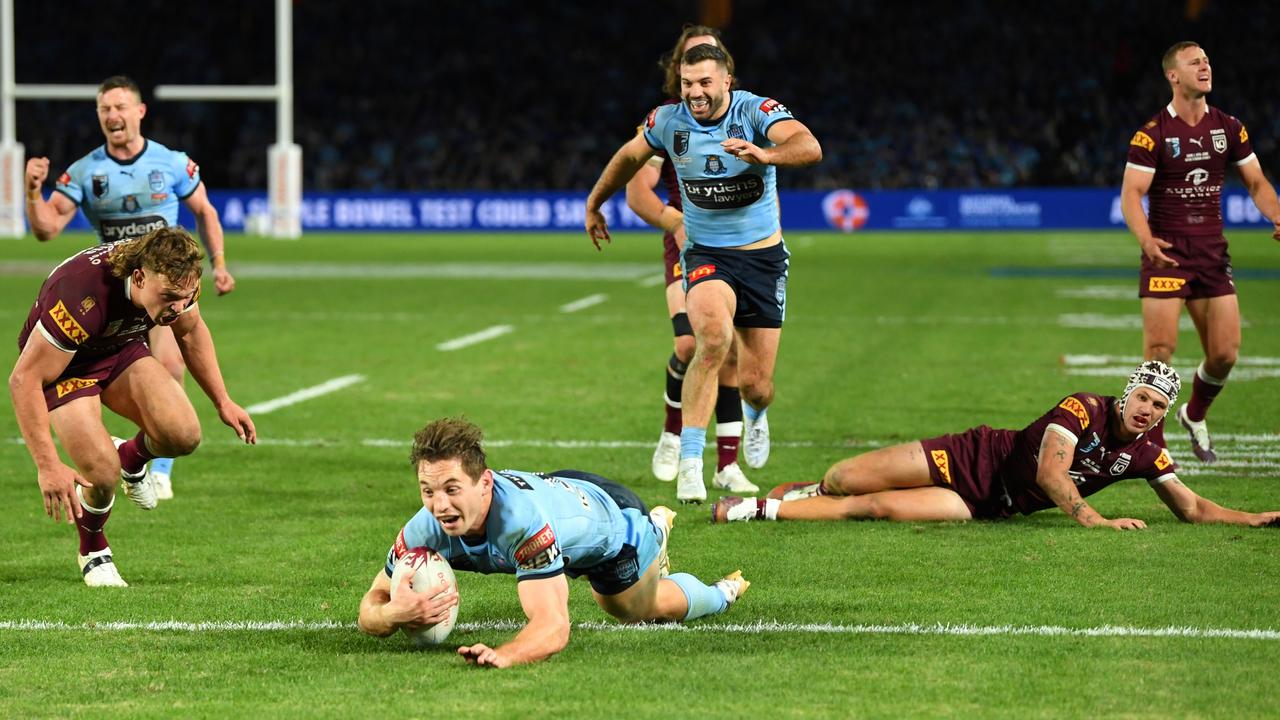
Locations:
{"points": [[968, 463], [1204, 269], [670, 259], [92, 376]]}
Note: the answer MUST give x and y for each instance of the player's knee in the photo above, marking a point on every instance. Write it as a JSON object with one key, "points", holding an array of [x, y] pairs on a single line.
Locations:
{"points": [[1161, 350], [102, 471], [684, 347], [1220, 361], [714, 345], [757, 389], [182, 440]]}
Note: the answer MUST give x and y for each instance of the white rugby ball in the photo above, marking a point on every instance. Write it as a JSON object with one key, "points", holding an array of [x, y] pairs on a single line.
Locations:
{"points": [[430, 573]]}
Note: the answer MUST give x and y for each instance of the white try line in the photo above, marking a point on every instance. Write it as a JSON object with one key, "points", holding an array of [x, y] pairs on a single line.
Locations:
{"points": [[760, 627], [583, 303], [294, 398], [476, 337], [1133, 360]]}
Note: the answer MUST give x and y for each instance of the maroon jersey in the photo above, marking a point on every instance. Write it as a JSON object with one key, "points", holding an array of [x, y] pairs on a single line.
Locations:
{"points": [[1100, 459], [1189, 164], [83, 309]]}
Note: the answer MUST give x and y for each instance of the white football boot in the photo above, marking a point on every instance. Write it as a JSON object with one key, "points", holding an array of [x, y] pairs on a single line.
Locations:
{"points": [[663, 518], [99, 570], [731, 478], [666, 457], [733, 586], [160, 477], [139, 487], [755, 438], [1201, 443], [689, 487]]}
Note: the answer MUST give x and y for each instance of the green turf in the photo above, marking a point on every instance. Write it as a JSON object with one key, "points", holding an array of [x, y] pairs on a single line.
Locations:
{"points": [[889, 337]]}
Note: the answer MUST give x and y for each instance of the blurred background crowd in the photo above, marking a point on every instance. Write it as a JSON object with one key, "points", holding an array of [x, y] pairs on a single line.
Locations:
{"points": [[484, 95]]}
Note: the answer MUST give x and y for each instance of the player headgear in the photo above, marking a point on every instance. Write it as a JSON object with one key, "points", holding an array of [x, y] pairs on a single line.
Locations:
{"points": [[1157, 376]]}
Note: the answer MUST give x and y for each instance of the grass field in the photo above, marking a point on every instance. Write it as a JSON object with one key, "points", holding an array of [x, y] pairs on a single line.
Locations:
{"points": [[245, 587]]}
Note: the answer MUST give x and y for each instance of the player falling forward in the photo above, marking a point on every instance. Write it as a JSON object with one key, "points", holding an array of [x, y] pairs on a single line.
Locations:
{"points": [[1179, 160], [1084, 444], [725, 145], [522, 523], [668, 217], [128, 187], [83, 346]]}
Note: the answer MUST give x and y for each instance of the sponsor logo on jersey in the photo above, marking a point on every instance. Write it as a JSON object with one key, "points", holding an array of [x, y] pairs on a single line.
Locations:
{"points": [[1175, 146], [70, 385], [1197, 141], [675, 269], [156, 181], [1143, 140], [1091, 465], [401, 547], [715, 166], [1094, 442], [724, 194], [130, 204], [113, 327], [158, 197], [652, 118], [735, 131], [87, 304], [943, 463], [1075, 407], [1197, 176], [1165, 284], [64, 179], [1149, 125], [1197, 157], [1163, 461], [72, 329], [680, 145], [113, 230], [1244, 135], [192, 169], [769, 107], [1121, 464], [538, 551], [101, 183], [702, 271]]}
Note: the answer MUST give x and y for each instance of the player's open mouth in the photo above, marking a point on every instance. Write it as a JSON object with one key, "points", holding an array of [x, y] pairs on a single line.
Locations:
{"points": [[448, 519], [699, 105]]}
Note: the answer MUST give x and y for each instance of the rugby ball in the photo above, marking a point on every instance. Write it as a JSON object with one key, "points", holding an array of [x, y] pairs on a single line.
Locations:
{"points": [[430, 573]]}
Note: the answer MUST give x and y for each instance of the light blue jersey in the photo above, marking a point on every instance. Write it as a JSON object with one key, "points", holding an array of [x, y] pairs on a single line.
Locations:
{"points": [[125, 199], [727, 202], [538, 526]]}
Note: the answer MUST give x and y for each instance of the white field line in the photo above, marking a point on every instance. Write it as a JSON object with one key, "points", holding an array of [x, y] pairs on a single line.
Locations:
{"points": [[294, 398], [1100, 292], [475, 337], [754, 628], [617, 272], [583, 303], [1239, 374], [1133, 360], [652, 281]]}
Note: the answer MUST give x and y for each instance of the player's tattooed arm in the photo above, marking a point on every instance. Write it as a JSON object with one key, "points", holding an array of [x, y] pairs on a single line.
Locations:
{"points": [[1056, 454]]}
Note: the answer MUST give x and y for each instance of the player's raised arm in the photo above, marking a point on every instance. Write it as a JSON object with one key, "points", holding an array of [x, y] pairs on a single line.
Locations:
{"points": [[1190, 507], [1263, 194], [1057, 451], [47, 218], [1137, 183], [546, 604], [210, 229], [621, 168], [196, 344]]}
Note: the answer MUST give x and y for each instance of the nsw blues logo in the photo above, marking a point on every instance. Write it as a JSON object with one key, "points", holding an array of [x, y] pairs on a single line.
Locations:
{"points": [[156, 181], [715, 166]]}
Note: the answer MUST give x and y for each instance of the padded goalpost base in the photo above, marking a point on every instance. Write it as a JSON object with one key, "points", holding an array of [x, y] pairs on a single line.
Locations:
{"points": [[13, 219], [284, 190]]}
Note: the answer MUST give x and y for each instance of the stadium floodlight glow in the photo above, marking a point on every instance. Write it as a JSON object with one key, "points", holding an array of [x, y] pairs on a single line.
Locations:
{"points": [[284, 158]]}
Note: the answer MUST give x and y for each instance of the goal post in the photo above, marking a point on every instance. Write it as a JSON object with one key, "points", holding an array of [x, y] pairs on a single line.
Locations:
{"points": [[284, 158]]}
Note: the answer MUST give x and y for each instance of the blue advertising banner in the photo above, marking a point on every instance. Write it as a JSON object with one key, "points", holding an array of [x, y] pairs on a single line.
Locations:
{"points": [[843, 210]]}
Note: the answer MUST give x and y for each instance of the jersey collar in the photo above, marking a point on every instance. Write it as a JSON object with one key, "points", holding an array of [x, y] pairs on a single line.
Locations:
{"points": [[145, 144]]}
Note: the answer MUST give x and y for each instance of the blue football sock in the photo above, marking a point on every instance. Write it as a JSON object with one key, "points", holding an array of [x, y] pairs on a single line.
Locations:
{"points": [[162, 465], [703, 599], [751, 413], [693, 440]]}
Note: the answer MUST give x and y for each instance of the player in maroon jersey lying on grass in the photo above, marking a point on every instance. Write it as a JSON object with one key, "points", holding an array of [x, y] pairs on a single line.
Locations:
{"points": [[1085, 443]]}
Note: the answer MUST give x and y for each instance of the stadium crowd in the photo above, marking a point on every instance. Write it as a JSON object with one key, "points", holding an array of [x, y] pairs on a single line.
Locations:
{"points": [[404, 95]]}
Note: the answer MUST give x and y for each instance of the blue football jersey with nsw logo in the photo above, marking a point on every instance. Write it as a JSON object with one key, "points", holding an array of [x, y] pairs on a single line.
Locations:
{"points": [[727, 202], [125, 199], [538, 526]]}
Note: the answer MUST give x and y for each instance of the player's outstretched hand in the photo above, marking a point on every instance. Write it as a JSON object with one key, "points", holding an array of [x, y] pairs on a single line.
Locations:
{"points": [[1125, 524], [1276, 235], [1154, 250], [237, 418], [482, 656], [745, 151], [1267, 520], [37, 171], [222, 281], [597, 228], [58, 488]]}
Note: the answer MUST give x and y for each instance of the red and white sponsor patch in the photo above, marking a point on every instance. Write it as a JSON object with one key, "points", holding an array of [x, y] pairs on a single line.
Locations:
{"points": [[768, 107], [192, 169], [401, 547], [702, 271], [652, 119], [64, 179], [538, 551]]}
